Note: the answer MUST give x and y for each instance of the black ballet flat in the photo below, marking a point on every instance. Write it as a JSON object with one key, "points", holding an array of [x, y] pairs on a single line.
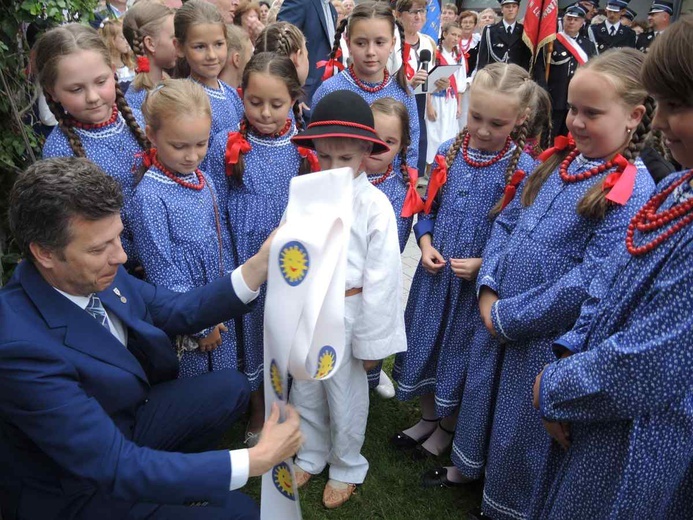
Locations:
{"points": [[402, 441], [438, 477], [477, 514]]}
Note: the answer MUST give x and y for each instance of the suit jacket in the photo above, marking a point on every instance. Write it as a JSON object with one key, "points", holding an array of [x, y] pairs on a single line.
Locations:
{"points": [[624, 37], [644, 41], [563, 67], [497, 46], [69, 393], [309, 17]]}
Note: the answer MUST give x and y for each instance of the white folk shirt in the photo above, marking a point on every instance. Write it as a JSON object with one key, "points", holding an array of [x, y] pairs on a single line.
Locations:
{"points": [[373, 263]]}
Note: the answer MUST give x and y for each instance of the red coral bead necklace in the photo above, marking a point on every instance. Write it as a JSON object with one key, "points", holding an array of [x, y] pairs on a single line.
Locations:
{"points": [[94, 126], [483, 164], [596, 170], [648, 219], [381, 178], [177, 178], [363, 86]]}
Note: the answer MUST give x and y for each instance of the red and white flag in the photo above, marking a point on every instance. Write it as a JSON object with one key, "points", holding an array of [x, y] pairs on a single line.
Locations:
{"points": [[541, 21]]}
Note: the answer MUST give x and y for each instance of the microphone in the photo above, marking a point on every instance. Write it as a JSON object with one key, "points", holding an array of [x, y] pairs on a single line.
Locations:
{"points": [[425, 59]]}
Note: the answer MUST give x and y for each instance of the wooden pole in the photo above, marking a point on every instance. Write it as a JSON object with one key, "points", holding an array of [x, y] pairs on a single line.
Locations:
{"points": [[547, 55]]}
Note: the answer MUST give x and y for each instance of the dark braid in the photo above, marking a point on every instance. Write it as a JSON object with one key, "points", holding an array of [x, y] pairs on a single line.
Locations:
{"points": [[520, 139], [237, 169], [63, 122], [338, 36], [402, 72], [283, 43], [640, 134], [403, 165], [130, 120], [298, 115]]}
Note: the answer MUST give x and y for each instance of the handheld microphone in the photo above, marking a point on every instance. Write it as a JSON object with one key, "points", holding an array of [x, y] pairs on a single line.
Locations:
{"points": [[425, 59]]}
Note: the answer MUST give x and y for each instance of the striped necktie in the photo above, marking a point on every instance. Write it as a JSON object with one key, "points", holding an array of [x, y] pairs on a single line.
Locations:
{"points": [[95, 308]]}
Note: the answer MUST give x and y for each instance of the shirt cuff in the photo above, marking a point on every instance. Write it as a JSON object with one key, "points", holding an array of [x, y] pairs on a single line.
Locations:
{"points": [[244, 293], [240, 468]]}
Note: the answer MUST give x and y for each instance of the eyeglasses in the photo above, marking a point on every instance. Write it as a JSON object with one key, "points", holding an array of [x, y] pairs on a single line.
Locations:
{"points": [[414, 12]]}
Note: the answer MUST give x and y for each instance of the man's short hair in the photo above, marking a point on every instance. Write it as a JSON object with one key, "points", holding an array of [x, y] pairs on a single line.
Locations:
{"points": [[51, 192]]}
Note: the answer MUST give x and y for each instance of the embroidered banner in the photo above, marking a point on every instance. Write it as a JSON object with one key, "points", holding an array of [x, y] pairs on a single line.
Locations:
{"points": [[304, 309]]}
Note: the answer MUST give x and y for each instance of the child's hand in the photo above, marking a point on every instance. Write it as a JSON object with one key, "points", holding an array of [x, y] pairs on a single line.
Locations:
{"points": [[442, 84], [458, 113], [431, 259], [212, 340], [486, 300], [465, 268], [431, 113], [370, 365], [418, 78]]}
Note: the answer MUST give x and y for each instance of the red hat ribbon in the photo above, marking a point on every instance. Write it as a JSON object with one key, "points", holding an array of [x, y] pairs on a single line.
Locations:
{"points": [[621, 182], [235, 145], [309, 155], [439, 176], [511, 187], [412, 201], [330, 65], [559, 144], [142, 64]]}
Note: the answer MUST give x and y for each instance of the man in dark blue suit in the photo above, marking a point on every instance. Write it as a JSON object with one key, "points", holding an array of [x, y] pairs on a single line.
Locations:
{"points": [[311, 17], [93, 422]]}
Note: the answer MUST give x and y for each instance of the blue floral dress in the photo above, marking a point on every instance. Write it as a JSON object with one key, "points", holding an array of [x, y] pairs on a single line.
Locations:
{"points": [[253, 210], [541, 272], [113, 148], [442, 312], [176, 238], [627, 391], [226, 104]]}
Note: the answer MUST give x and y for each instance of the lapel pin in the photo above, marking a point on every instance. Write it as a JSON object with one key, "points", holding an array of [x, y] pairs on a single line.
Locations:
{"points": [[123, 299], [116, 291]]}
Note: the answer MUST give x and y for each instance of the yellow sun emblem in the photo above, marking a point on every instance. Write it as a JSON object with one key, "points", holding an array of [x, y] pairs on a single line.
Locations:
{"points": [[281, 476], [276, 379], [293, 262], [327, 360]]}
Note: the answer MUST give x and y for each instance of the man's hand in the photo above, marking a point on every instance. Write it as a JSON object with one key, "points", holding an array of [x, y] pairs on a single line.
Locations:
{"points": [[211, 340], [431, 113], [278, 441], [465, 268], [254, 271], [486, 300]]}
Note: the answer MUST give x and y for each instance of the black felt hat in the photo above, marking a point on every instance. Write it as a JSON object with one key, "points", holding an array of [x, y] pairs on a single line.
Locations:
{"points": [[342, 113]]}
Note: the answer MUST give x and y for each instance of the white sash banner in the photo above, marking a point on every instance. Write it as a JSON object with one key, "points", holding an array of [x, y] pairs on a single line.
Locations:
{"points": [[304, 308], [573, 47]]}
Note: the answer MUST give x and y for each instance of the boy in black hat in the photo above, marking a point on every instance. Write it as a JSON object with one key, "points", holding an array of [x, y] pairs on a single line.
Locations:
{"points": [[611, 33], [570, 49], [335, 411], [502, 42], [628, 17], [659, 18]]}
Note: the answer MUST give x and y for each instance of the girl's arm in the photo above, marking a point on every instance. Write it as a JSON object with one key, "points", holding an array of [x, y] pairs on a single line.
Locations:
{"points": [[640, 369]]}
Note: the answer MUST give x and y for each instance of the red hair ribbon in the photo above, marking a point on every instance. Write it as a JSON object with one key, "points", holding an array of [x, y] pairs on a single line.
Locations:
{"points": [[147, 157], [412, 201], [408, 69], [239, 90], [511, 187], [309, 155], [331, 64], [621, 182], [142, 64], [236, 144], [439, 176], [559, 144]]}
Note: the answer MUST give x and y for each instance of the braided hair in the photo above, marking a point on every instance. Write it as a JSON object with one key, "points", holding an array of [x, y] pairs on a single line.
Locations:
{"points": [[277, 66], [144, 20], [287, 40], [63, 41], [391, 107]]}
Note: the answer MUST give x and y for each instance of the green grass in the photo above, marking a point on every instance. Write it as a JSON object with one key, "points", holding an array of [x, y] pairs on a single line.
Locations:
{"points": [[392, 489]]}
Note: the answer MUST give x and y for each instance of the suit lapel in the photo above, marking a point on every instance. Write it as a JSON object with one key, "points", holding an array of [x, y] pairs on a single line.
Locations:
{"points": [[321, 16], [82, 331]]}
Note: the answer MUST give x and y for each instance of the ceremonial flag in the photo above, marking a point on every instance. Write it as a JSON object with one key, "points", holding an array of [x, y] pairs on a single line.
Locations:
{"points": [[431, 26], [540, 23], [304, 309]]}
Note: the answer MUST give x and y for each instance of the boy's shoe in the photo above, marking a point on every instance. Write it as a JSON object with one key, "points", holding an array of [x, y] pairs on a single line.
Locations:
{"points": [[336, 493], [385, 388], [302, 476]]}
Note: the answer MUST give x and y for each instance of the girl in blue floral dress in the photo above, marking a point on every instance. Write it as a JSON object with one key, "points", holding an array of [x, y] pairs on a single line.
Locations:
{"points": [[176, 224], [625, 394], [476, 175]]}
